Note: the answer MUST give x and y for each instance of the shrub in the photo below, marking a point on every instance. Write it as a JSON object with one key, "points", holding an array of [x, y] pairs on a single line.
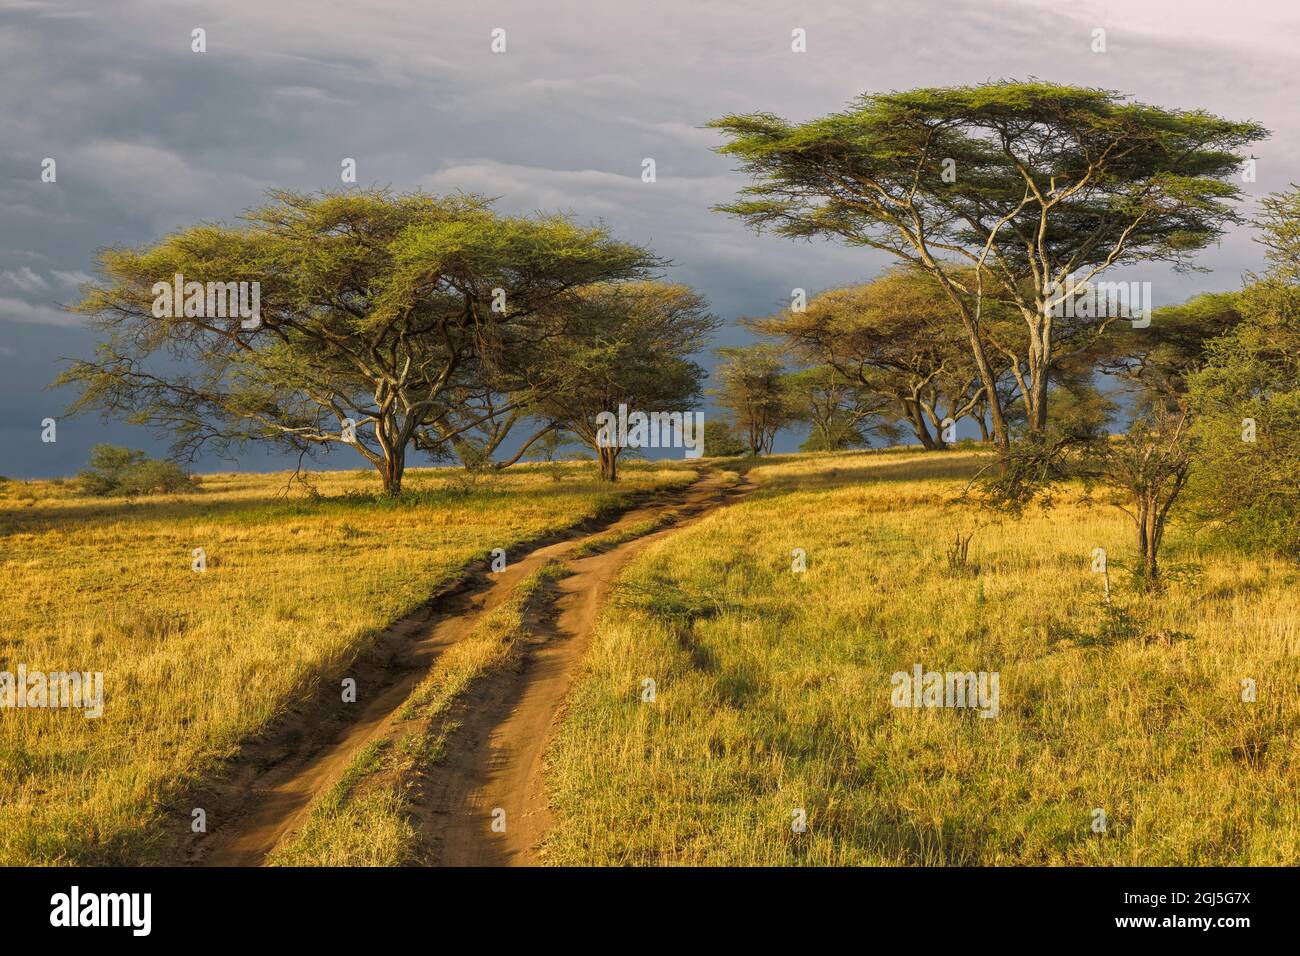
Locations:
{"points": [[721, 441], [1247, 398], [129, 473]]}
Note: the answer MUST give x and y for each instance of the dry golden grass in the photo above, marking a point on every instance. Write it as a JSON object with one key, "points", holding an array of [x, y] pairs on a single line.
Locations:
{"points": [[194, 663], [773, 689], [354, 823]]}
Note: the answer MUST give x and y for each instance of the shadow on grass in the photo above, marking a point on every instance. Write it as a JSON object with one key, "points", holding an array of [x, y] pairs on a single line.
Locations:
{"points": [[272, 507], [876, 467]]}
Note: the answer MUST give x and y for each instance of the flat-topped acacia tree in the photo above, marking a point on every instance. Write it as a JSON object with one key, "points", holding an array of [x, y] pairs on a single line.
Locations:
{"points": [[392, 313], [1029, 183], [628, 343]]}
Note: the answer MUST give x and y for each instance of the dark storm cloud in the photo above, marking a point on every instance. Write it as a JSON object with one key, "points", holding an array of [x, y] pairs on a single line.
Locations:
{"points": [[149, 136]]}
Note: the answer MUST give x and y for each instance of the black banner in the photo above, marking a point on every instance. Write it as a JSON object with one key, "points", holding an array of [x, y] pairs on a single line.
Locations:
{"points": [[943, 905]]}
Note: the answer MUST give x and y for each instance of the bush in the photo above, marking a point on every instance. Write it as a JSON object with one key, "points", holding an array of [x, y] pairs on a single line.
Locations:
{"points": [[1245, 479], [842, 437], [720, 441], [126, 472]]}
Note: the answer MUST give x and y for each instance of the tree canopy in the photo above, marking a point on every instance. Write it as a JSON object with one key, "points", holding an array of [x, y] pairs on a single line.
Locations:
{"points": [[625, 344], [1246, 400], [892, 337]]}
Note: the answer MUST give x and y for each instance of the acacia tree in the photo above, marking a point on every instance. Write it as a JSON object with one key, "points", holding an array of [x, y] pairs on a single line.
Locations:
{"points": [[1149, 465], [894, 338], [384, 318], [1028, 183], [842, 412], [489, 427], [721, 441], [754, 388], [1246, 398], [625, 344]]}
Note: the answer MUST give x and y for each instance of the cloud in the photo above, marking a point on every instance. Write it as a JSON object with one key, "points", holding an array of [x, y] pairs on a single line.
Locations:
{"points": [[74, 278], [150, 136], [17, 310], [24, 278]]}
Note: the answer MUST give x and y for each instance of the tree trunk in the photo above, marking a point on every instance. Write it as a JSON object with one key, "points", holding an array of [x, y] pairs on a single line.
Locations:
{"points": [[1155, 531], [394, 465], [928, 441], [1037, 409], [608, 463], [1148, 540], [1000, 436]]}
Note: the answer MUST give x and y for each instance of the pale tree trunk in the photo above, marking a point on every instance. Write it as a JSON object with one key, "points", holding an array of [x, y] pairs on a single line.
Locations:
{"points": [[1001, 437], [1039, 360], [608, 458], [392, 448]]}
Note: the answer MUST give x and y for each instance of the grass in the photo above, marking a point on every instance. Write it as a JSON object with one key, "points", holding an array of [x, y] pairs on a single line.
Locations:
{"points": [[354, 824], [773, 688], [296, 587], [363, 820], [605, 542]]}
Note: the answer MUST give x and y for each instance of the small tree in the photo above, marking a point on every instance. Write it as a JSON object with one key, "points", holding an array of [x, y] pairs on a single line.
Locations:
{"points": [[546, 448], [1149, 464], [626, 344], [754, 389], [125, 471], [721, 441]]}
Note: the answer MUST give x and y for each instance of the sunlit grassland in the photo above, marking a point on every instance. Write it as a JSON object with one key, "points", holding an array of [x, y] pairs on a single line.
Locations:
{"points": [[295, 587], [773, 688]]}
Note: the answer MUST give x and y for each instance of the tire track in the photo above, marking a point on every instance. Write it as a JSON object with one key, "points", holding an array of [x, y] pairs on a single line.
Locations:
{"points": [[494, 757]]}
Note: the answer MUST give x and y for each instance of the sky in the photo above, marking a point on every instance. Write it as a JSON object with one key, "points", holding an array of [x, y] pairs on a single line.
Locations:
{"points": [[148, 135]]}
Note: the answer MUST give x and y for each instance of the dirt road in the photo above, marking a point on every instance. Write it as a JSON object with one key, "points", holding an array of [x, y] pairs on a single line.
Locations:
{"points": [[493, 760]]}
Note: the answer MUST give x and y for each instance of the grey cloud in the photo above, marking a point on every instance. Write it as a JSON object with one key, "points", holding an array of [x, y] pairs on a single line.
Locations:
{"points": [[150, 136], [72, 278], [24, 278], [20, 310]]}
